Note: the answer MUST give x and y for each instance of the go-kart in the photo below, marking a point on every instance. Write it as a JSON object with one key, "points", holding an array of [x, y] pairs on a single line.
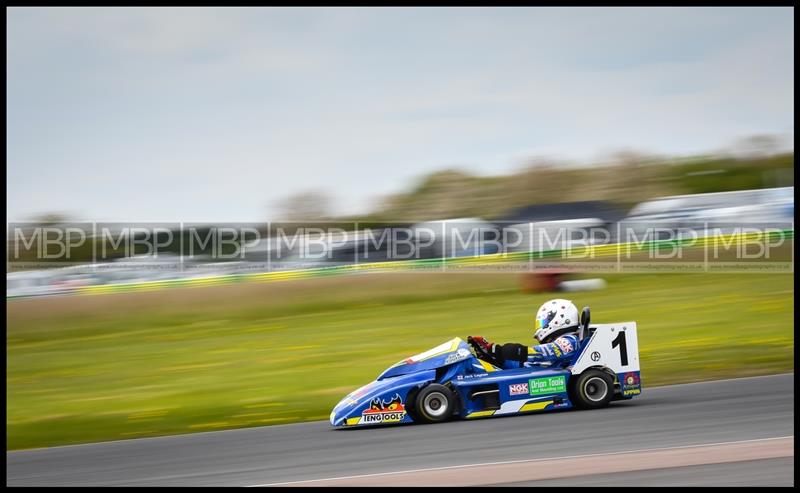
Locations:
{"points": [[457, 379]]}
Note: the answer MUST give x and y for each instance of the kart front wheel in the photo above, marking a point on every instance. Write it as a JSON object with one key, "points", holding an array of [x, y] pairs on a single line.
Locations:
{"points": [[592, 389], [434, 403]]}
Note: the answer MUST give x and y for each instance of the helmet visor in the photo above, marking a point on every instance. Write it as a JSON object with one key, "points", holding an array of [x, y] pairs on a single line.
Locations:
{"points": [[544, 320]]}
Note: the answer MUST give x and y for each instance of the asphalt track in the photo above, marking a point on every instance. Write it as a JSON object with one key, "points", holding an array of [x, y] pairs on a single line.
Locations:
{"points": [[764, 472], [709, 419]]}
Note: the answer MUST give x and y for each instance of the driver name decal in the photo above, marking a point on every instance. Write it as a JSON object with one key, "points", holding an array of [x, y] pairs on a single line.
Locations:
{"points": [[547, 385]]}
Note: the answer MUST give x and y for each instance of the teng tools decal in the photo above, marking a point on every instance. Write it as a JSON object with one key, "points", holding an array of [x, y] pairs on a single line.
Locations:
{"points": [[379, 411]]}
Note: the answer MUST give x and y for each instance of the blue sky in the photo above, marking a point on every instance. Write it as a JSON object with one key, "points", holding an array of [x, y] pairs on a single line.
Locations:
{"points": [[216, 114]]}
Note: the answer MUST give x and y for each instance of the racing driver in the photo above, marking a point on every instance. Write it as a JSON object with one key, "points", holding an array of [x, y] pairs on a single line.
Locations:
{"points": [[557, 323]]}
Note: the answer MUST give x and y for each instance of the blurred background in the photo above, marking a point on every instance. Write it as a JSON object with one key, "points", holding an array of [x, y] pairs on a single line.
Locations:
{"points": [[145, 130]]}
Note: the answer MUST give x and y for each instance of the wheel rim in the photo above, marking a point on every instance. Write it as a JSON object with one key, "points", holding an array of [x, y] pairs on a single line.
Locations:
{"points": [[595, 389], [435, 404]]}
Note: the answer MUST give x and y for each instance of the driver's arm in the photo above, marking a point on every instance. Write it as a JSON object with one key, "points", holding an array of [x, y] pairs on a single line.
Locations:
{"points": [[554, 351], [507, 356], [511, 355]]}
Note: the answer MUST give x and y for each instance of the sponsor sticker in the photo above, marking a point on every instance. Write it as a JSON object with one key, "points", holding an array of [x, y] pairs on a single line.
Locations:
{"points": [[547, 385], [380, 411], [631, 383], [475, 375], [564, 344], [459, 355], [518, 389]]}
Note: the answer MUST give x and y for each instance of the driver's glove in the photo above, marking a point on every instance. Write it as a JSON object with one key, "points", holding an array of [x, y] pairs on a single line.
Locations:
{"points": [[486, 345]]}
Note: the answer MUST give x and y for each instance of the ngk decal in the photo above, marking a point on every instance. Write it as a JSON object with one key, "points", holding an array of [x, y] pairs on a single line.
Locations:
{"points": [[564, 344], [380, 411], [518, 389]]}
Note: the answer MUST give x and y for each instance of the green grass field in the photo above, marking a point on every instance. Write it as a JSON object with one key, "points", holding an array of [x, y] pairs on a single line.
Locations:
{"points": [[92, 368]]}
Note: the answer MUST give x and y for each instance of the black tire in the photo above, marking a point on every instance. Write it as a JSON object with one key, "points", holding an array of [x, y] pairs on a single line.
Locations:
{"points": [[434, 403], [411, 400], [592, 389]]}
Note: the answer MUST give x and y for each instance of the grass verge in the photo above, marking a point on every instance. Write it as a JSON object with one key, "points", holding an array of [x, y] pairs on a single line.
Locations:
{"points": [[93, 368]]}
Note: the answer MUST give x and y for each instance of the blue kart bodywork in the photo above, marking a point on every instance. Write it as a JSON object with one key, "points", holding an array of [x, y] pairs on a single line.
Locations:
{"points": [[480, 388]]}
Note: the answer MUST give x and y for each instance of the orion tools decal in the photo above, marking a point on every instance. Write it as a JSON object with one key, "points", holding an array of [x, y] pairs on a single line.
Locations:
{"points": [[631, 383], [547, 385], [380, 411]]}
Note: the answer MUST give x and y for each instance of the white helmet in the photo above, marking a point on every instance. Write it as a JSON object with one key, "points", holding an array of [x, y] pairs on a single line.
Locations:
{"points": [[554, 319]]}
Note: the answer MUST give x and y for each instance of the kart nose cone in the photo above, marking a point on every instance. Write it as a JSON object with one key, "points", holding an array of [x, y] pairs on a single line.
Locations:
{"points": [[339, 418], [342, 411]]}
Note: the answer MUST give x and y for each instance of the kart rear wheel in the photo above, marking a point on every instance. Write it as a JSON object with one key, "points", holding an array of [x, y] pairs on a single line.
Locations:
{"points": [[592, 389], [434, 403]]}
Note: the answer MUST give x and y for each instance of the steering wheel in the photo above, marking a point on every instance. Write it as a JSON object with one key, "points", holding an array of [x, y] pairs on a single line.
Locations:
{"points": [[480, 352]]}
